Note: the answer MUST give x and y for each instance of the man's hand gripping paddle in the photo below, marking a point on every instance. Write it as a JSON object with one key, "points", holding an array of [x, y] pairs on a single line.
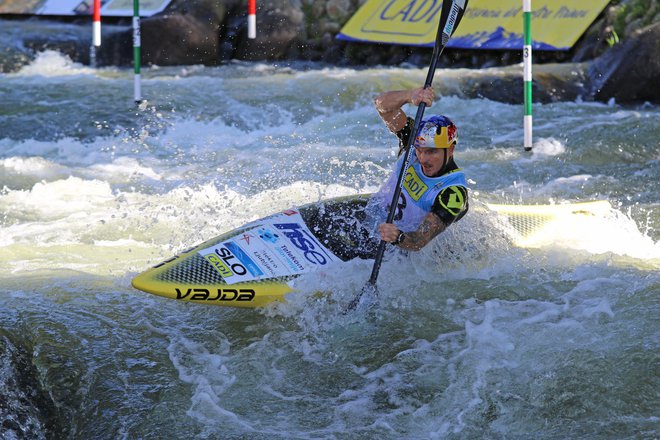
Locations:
{"points": [[450, 16]]}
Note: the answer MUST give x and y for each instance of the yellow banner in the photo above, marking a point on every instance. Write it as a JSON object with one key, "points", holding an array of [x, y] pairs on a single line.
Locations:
{"points": [[486, 24]]}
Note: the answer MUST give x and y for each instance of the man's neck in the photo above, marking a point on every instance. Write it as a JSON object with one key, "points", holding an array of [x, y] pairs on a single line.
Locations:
{"points": [[449, 166]]}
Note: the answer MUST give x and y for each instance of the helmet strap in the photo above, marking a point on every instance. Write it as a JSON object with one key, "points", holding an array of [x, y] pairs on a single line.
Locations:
{"points": [[444, 161]]}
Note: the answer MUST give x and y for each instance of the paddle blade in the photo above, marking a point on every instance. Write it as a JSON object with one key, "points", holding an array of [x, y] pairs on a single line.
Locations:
{"points": [[366, 299], [450, 16]]}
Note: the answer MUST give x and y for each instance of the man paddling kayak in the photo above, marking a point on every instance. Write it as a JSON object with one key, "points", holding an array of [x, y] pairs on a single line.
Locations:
{"points": [[434, 193]]}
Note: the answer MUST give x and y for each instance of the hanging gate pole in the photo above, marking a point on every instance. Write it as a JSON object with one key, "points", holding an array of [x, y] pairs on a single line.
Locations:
{"points": [[527, 76], [96, 32], [137, 92], [252, 19]]}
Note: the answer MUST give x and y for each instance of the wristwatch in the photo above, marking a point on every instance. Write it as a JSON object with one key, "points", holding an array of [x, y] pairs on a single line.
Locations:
{"points": [[399, 238]]}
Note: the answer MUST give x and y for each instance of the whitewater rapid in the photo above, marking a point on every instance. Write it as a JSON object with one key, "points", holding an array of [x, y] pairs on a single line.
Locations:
{"points": [[474, 337]]}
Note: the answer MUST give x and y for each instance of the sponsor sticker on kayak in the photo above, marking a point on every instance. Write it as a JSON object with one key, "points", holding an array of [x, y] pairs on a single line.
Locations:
{"points": [[279, 246]]}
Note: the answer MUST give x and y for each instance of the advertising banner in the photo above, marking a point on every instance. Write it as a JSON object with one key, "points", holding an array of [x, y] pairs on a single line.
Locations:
{"points": [[486, 24]]}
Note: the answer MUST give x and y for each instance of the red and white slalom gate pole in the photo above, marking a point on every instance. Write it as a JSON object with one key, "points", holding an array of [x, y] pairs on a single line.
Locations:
{"points": [[252, 19], [96, 32]]}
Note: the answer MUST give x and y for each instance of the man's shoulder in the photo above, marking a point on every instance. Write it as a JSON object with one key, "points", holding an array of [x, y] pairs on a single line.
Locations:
{"points": [[404, 134], [405, 131], [451, 203]]}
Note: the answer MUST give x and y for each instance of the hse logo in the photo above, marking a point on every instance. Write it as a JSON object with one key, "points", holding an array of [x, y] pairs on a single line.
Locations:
{"points": [[413, 184], [216, 294], [304, 241]]}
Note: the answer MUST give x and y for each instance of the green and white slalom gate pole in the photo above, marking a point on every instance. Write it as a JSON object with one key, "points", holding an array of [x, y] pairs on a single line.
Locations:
{"points": [[137, 93], [527, 77]]}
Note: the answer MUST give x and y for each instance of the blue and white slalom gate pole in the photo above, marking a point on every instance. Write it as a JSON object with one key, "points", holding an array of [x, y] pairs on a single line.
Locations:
{"points": [[527, 77], [137, 93]]}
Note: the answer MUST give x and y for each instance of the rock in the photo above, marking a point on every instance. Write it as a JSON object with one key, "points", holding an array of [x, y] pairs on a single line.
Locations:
{"points": [[551, 83], [179, 39], [556, 82], [26, 411], [280, 27], [589, 44], [339, 10], [185, 33], [21, 40], [630, 71], [211, 31]]}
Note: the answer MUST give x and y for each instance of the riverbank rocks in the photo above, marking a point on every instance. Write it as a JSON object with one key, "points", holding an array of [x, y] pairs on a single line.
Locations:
{"points": [[280, 32], [208, 32], [629, 71], [211, 32], [505, 84]]}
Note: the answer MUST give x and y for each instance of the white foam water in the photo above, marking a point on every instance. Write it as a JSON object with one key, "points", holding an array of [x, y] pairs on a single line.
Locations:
{"points": [[473, 337]]}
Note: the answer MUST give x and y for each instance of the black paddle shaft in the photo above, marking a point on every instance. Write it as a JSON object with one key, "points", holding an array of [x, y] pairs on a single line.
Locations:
{"points": [[450, 16]]}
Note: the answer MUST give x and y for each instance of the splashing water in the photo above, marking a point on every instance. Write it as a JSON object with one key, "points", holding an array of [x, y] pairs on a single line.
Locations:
{"points": [[473, 337]]}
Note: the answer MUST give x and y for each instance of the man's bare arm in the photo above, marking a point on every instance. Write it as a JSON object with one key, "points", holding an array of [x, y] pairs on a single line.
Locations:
{"points": [[430, 227], [389, 105]]}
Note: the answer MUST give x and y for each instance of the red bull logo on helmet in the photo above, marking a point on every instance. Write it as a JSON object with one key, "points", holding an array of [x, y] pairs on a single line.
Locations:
{"points": [[436, 132]]}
